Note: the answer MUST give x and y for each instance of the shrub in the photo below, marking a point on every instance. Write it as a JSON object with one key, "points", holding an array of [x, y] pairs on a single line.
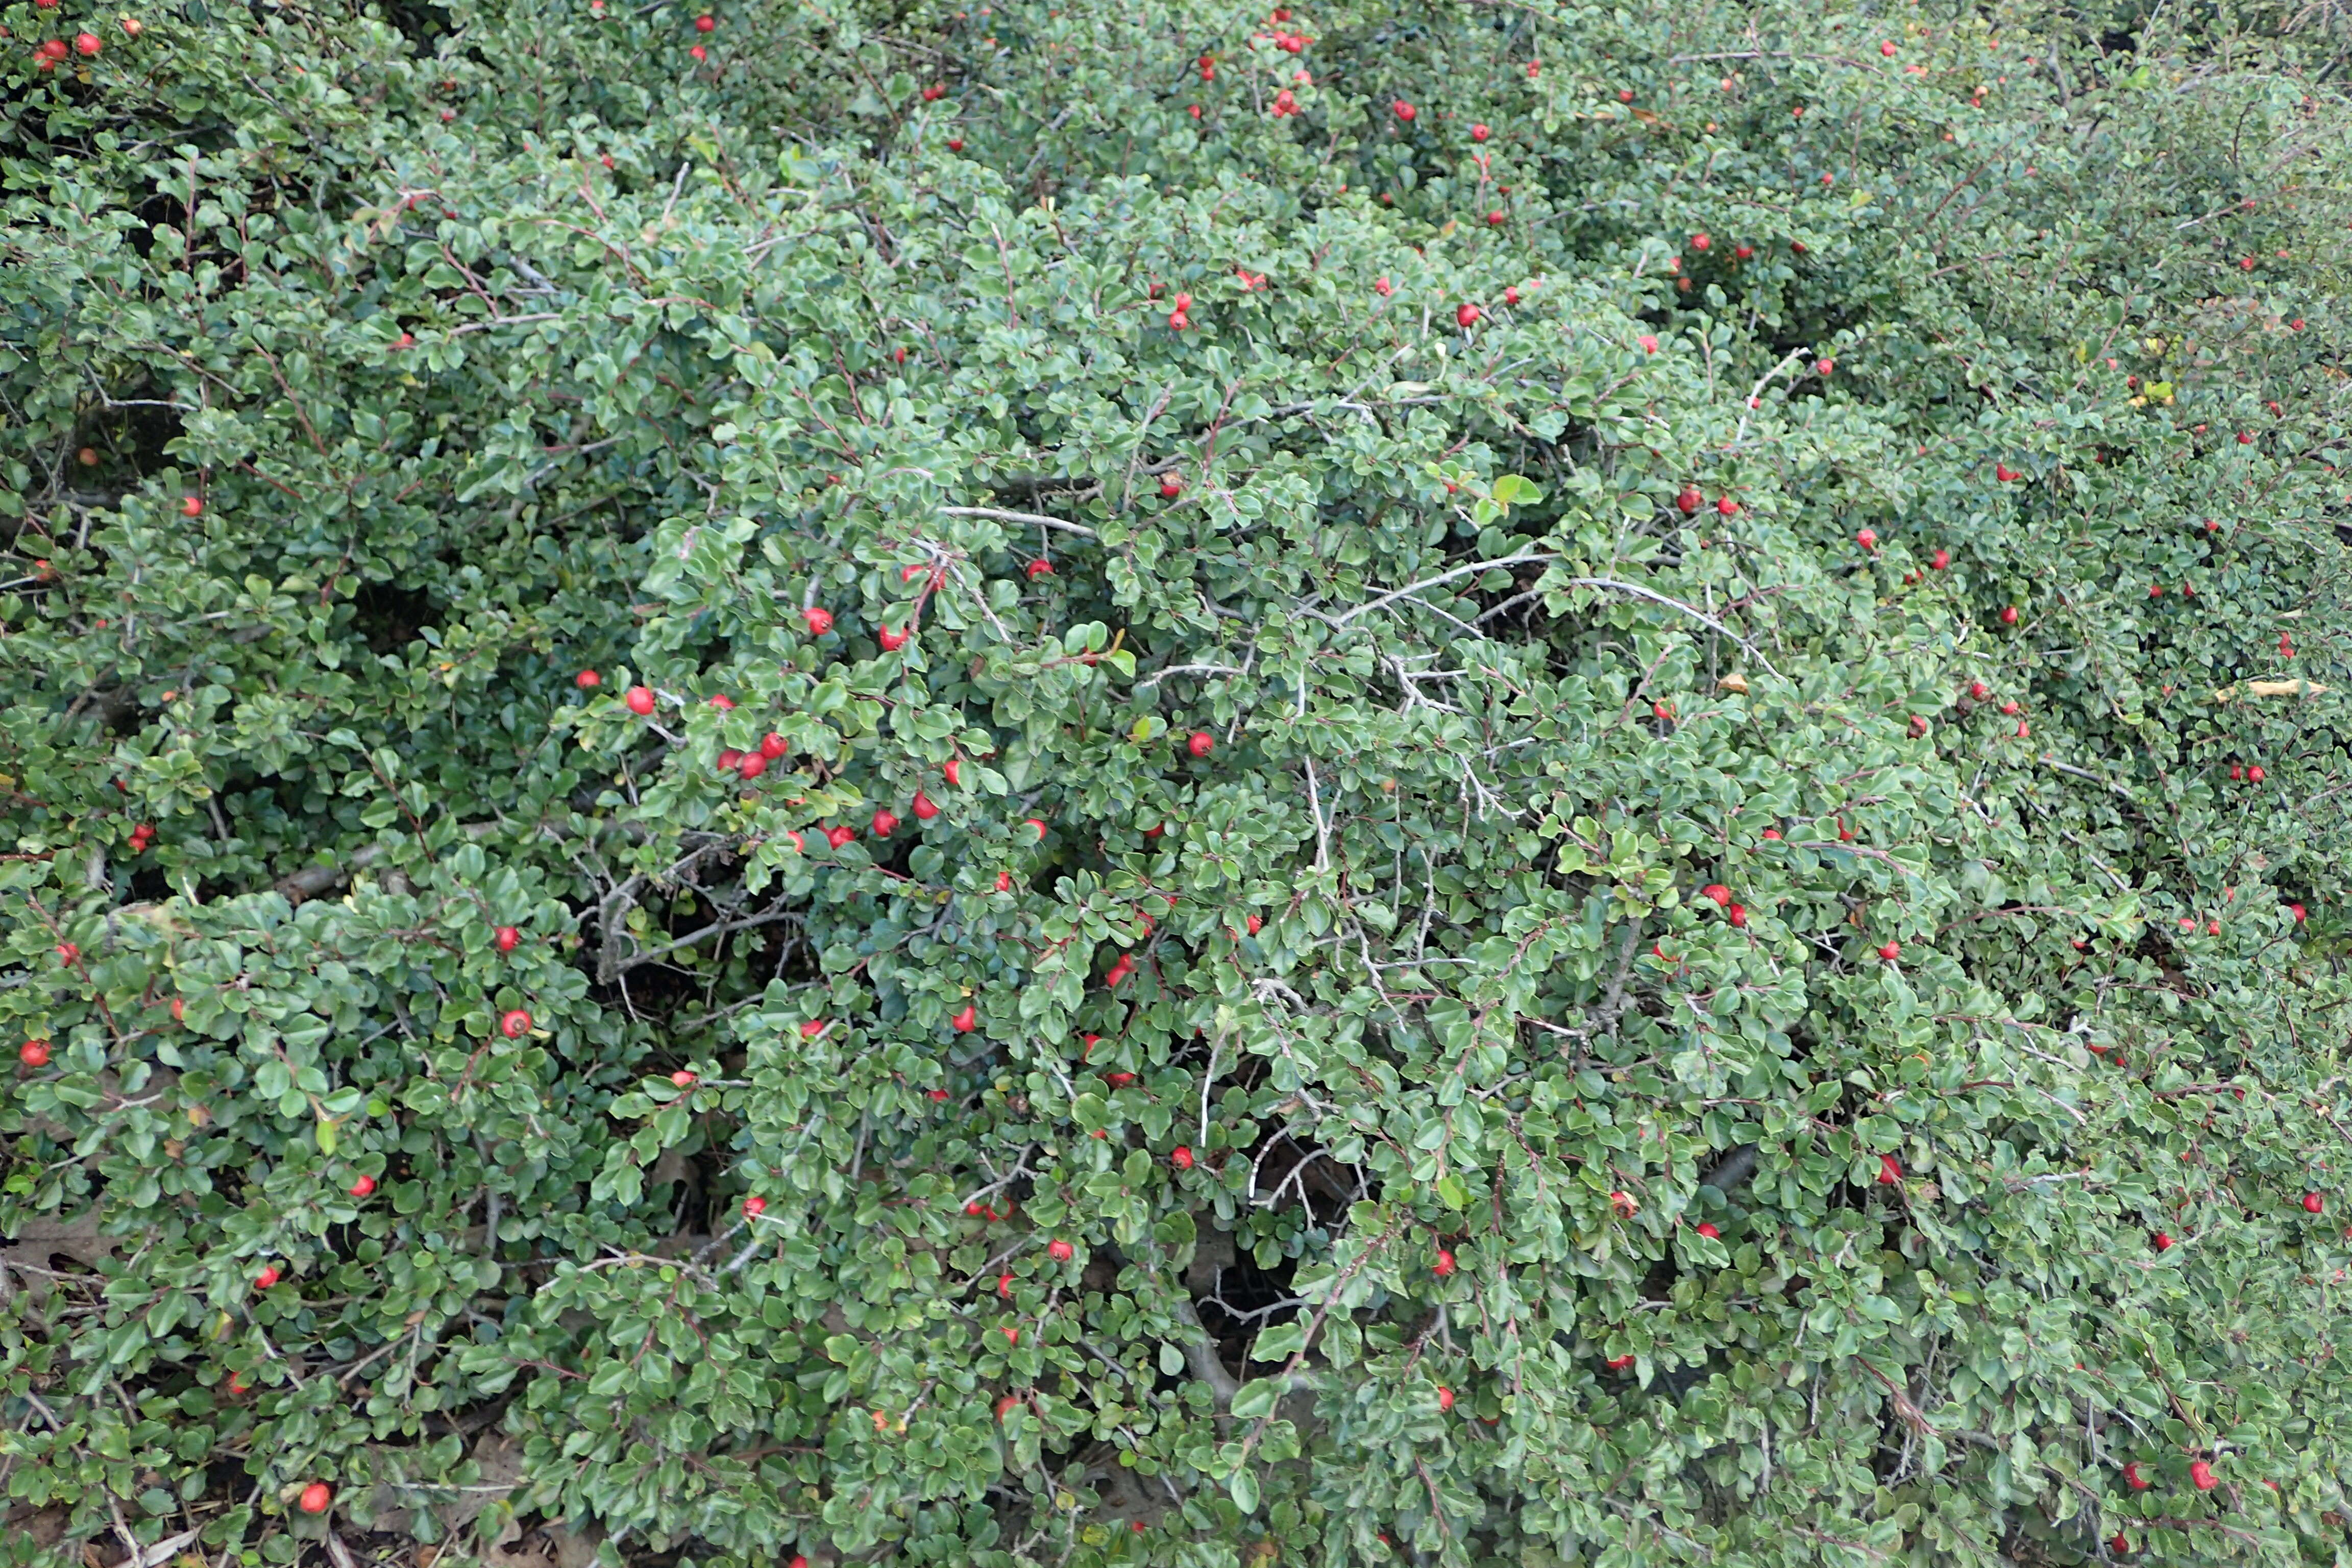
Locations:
{"points": [[1605, 822]]}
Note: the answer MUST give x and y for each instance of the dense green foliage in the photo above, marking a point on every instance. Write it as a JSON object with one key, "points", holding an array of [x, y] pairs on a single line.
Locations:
{"points": [[1295, 1152]]}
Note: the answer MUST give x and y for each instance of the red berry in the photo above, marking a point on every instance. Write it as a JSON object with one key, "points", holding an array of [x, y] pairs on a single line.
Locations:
{"points": [[587, 680], [1039, 568], [886, 823], [1941, 559], [1444, 1398], [1717, 893], [754, 1206], [33, 1052], [1060, 1251], [1255, 924], [1618, 1363], [751, 766], [1887, 49], [1467, 314], [1170, 486], [705, 24], [1772, 835], [1727, 507], [2120, 1544], [2313, 1203], [892, 640], [2298, 912], [820, 620], [699, 52], [640, 699], [87, 44], [1511, 295], [1690, 500], [2008, 615], [506, 938], [939, 1094], [1735, 914], [2254, 773], [1824, 366], [363, 1187], [1497, 218], [2200, 1475], [1040, 826], [180, 1007], [812, 1029], [1479, 133], [923, 808], [1624, 95], [68, 953], [1890, 951], [684, 1078], [1890, 1173], [1867, 539], [1202, 743], [1005, 881], [773, 746], [1403, 110], [2163, 1242], [515, 1025], [965, 1022], [729, 760], [316, 1496], [1648, 342], [1444, 1264], [2132, 1477], [266, 1277], [192, 507], [1708, 1231], [954, 771], [1182, 1157]]}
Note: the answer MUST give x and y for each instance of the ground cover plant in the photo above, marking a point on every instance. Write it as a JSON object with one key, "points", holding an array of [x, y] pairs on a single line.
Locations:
{"points": [[1174, 784]]}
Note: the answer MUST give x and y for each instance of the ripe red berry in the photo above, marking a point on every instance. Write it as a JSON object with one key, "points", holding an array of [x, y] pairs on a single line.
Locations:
{"points": [[505, 938], [87, 44], [1618, 1363], [891, 639], [1624, 95], [1200, 743], [1736, 914], [699, 52], [640, 699], [2298, 912], [954, 771], [820, 620], [1039, 826], [1824, 366], [2313, 1203], [751, 766], [1867, 539], [2254, 773], [1444, 1264], [1497, 218], [1039, 568], [1890, 1173], [886, 823], [266, 1277], [1479, 133], [2008, 615], [33, 1052], [754, 1206], [1890, 951], [363, 1187], [2120, 1544], [1690, 500], [1772, 835], [1182, 1157], [2200, 1475], [705, 24], [1467, 314], [515, 1025], [932, 93], [1717, 893], [965, 1022], [316, 1496], [1941, 559], [684, 1078], [729, 760], [1060, 1251], [1403, 110], [1727, 507], [2163, 1242], [68, 954], [1170, 486], [1444, 1398], [2132, 1478], [1005, 881], [1708, 1231], [1887, 49], [923, 808]]}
